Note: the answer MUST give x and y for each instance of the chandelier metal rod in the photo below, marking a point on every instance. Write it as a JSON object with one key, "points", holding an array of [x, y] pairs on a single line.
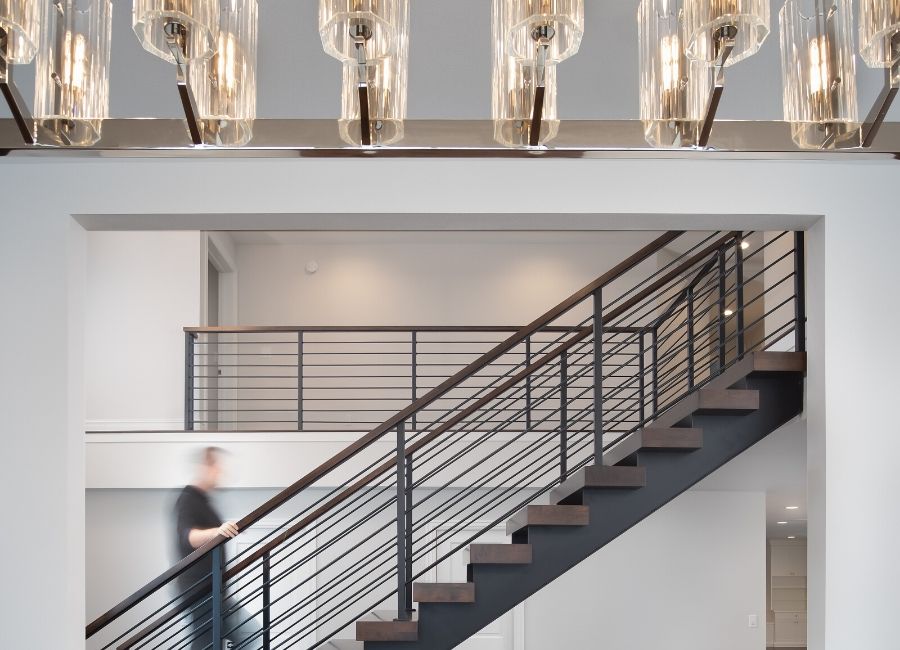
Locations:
{"points": [[361, 36], [17, 106], [725, 41], [176, 37], [885, 98]]}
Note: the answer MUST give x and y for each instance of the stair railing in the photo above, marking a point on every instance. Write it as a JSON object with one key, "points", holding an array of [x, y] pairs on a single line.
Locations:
{"points": [[392, 507], [327, 378]]}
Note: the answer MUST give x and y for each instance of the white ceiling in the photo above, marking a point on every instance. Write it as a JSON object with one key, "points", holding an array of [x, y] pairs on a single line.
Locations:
{"points": [[449, 73]]}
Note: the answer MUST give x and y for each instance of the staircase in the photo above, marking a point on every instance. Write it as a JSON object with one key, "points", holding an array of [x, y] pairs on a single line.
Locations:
{"points": [[600, 502], [691, 363]]}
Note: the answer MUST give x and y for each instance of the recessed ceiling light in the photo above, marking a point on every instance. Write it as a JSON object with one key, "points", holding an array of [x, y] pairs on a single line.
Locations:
{"points": [[745, 245], [728, 312], [792, 507], [792, 537], [782, 523]]}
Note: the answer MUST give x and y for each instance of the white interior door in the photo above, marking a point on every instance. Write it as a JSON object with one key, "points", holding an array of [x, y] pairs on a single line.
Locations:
{"points": [[506, 633]]}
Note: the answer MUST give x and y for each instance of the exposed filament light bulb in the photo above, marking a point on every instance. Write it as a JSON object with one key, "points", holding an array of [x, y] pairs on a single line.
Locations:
{"points": [[818, 65], [72, 83], [670, 48], [226, 63]]}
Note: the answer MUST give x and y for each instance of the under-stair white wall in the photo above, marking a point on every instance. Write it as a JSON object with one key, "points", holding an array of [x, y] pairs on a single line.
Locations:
{"points": [[686, 578]]}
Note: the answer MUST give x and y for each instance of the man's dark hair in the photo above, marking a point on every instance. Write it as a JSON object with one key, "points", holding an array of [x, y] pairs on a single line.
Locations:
{"points": [[209, 455]]}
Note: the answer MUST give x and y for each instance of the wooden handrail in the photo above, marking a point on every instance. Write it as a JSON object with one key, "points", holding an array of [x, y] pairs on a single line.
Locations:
{"points": [[274, 329], [401, 416]]}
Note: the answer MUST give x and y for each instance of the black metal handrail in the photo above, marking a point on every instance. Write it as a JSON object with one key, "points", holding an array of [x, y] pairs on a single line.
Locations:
{"points": [[381, 517]]}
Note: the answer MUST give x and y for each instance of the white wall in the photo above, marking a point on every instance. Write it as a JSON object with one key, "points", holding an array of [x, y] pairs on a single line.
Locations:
{"points": [[421, 278], [142, 288], [686, 578], [697, 589]]}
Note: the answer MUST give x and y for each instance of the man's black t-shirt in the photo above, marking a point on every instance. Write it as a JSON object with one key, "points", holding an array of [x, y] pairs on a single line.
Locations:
{"points": [[193, 511]]}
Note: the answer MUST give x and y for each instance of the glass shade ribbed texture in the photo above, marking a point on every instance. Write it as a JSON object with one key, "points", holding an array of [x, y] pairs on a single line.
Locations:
{"points": [[564, 17], [879, 32], [21, 20], [225, 84], [200, 17], [704, 18], [674, 89], [71, 90], [339, 19], [818, 72], [513, 86], [387, 81]]}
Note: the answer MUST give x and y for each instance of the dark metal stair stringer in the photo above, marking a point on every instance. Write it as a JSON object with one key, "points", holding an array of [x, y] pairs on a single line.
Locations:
{"points": [[558, 549]]}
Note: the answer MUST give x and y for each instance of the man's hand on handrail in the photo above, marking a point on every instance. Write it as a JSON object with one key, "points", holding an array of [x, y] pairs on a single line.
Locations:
{"points": [[198, 537]]}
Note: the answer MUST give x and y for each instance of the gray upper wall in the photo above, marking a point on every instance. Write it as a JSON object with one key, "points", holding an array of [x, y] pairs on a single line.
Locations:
{"points": [[450, 67]]}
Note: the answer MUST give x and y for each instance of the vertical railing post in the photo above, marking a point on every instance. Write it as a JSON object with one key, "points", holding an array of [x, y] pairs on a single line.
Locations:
{"points": [[528, 384], [721, 310], [563, 415], [598, 376], [217, 597], [739, 294], [690, 337], [409, 532], [641, 387], [300, 380], [654, 361], [189, 381], [267, 602], [414, 372], [800, 291], [403, 609]]}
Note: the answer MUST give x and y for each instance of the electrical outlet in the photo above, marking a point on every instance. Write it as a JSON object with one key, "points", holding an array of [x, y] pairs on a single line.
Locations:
{"points": [[753, 620]]}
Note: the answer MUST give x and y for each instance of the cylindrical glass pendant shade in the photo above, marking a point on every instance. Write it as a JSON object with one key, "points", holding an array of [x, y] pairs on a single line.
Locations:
{"points": [[704, 20], [387, 103], [879, 32], [513, 103], [71, 90], [199, 17], [225, 84], [819, 72], [528, 19], [387, 89], [513, 88], [674, 89], [342, 22], [21, 20]]}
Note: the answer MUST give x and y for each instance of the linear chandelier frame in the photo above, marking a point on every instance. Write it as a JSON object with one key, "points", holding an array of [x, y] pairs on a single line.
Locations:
{"points": [[292, 138]]}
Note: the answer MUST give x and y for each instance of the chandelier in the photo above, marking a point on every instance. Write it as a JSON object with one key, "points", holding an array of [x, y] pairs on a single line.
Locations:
{"points": [[685, 48]]}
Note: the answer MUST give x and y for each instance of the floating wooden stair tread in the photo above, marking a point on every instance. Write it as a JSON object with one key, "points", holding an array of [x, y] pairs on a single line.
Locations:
{"points": [[655, 439], [500, 554], [381, 626], [671, 439], [601, 477], [444, 592], [541, 515]]}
